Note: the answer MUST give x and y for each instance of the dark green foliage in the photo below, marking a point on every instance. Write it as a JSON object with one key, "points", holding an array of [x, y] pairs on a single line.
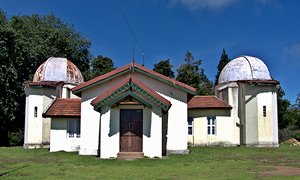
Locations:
{"points": [[16, 138], [222, 63], [288, 115], [283, 107], [285, 134], [101, 65], [192, 74], [295, 110], [296, 135], [25, 43], [164, 67], [297, 104]]}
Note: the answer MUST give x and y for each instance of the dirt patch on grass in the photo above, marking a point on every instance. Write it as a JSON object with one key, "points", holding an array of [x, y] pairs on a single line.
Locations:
{"points": [[282, 171]]}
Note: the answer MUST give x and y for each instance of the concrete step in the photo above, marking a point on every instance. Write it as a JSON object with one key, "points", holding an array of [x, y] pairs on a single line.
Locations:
{"points": [[130, 155]]}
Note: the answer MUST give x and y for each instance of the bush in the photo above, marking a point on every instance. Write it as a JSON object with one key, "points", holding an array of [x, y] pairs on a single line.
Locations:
{"points": [[16, 138], [285, 134], [296, 135]]}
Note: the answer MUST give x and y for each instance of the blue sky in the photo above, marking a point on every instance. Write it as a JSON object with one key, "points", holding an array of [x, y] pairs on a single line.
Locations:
{"points": [[166, 29]]}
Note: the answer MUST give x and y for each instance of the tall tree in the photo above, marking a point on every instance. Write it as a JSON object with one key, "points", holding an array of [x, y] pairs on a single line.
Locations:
{"points": [[283, 105], [26, 42], [101, 65], [295, 110], [164, 67], [297, 104], [222, 63], [192, 74]]}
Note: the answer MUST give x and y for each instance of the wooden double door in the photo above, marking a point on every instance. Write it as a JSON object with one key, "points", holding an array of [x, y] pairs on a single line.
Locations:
{"points": [[131, 130]]}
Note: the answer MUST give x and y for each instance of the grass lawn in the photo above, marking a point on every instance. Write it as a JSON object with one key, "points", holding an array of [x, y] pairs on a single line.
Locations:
{"points": [[201, 163]]}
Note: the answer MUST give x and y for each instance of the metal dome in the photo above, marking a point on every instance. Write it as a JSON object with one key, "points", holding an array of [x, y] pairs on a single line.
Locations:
{"points": [[244, 68], [58, 69]]}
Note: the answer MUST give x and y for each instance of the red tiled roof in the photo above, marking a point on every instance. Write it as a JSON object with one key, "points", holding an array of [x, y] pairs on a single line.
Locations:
{"points": [[165, 78], [138, 83], [100, 78], [110, 91], [207, 102], [150, 91], [132, 68], [66, 107]]}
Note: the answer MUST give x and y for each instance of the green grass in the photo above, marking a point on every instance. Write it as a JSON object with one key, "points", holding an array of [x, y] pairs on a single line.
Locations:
{"points": [[201, 163]]}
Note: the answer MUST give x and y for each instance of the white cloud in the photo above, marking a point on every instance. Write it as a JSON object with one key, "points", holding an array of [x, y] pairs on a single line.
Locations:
{"points": [[293, 51], [202, 4]]}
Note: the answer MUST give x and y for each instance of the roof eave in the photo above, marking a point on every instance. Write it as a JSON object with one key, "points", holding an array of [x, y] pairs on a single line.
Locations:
{"points": [[76, 90], [210, 108]]}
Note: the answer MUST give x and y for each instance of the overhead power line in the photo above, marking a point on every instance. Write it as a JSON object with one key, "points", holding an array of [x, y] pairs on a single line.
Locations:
{"points": [[131, 31]]}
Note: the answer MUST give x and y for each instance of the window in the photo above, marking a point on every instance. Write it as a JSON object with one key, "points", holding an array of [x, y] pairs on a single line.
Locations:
{"points": [[35, 111], [190, 125], [211, 125], [68, 93], [74, 128], [264, 111]]}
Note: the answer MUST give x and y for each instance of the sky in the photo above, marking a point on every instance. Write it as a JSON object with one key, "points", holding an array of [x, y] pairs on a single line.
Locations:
{"points": [[167, 29]]}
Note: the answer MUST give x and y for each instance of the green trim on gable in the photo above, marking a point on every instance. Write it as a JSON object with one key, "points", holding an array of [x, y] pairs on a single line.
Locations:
{"points": [[113, 95], [126, 90], [151, 98], [129, 93], [136, 69]]}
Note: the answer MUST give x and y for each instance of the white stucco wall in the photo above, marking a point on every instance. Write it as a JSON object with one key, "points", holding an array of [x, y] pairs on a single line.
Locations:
{"points": [[177, 121], [152, 130], [66, 91], [260, 130], [37, 129], [275, 118], [231, 91], [233, 101], [177, 114], [89, 128], [247, 101], [59, 139], [267, 126], [110, 131], [251, 115], [225, 128]]}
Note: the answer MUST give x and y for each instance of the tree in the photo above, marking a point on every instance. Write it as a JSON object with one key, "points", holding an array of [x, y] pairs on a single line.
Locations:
{"points": [[284, 118], [25, 43], [192, 74], [222, 63], [297, 104], [295, 110], [164, 67], [101, 65]]}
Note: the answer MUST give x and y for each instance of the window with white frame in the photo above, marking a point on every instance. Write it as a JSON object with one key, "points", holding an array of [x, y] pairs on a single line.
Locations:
{"points": [[211, 125], [190, 125], [74, 128]]}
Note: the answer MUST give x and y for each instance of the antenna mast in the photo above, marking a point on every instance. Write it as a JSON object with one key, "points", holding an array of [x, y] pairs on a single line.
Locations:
{"points": [[143, 59], [133, 51]]}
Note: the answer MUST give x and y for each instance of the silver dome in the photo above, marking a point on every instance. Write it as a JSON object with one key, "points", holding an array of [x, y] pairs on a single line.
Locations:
{"points": [[244, 68]]}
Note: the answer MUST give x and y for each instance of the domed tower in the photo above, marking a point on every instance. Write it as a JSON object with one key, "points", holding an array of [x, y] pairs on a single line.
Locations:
{"points": [[245, 84], [53, 79]]}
